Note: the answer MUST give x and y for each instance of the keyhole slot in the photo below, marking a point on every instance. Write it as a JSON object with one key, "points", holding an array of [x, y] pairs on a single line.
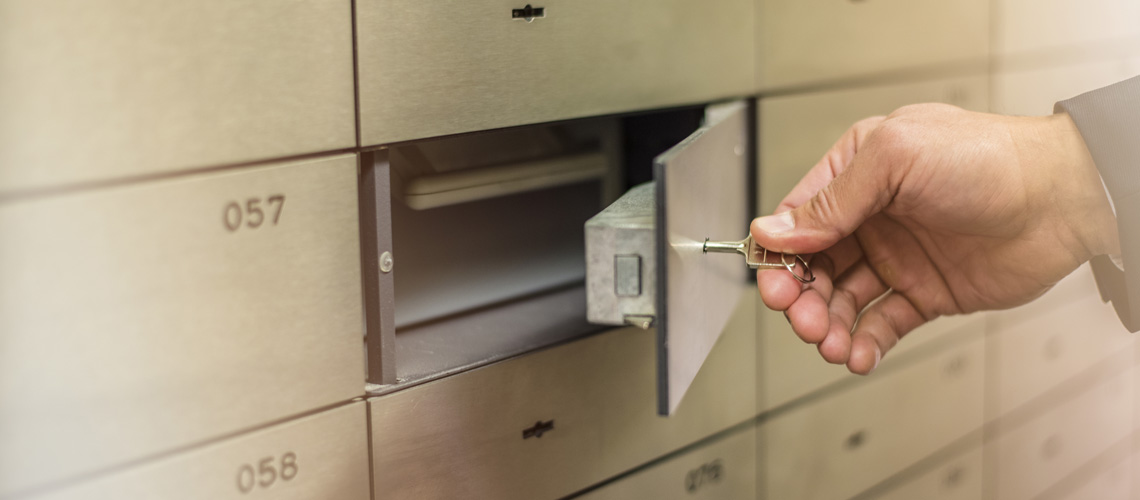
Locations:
{"points": [[528, 13], [855, 440]]}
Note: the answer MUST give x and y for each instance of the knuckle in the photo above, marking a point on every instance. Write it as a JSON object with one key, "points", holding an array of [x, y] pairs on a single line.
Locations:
{"points": [[847, 296], [923, 109], [869, 122], [825, 210], [823, 265], [895, 145]]}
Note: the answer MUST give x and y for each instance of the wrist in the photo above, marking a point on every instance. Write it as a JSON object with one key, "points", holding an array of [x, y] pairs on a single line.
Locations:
{"points": [[1083, 201]]}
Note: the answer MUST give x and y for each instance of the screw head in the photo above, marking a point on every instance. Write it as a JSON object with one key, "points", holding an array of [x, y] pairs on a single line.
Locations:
{"points": [[386, 262]]}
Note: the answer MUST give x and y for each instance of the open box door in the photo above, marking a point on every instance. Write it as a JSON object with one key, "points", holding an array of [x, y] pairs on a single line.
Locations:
{"points": [[645, 260]]}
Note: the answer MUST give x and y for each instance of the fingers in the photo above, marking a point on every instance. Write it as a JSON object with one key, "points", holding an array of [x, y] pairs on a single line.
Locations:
{"points": [[853, 292], [806, 307], [808, 315], [857, 288], [879, 329], [778, 288], [857, 192]]}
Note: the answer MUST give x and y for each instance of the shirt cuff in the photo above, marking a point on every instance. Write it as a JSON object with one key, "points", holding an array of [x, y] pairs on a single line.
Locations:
{"points": [[1116, 258]]}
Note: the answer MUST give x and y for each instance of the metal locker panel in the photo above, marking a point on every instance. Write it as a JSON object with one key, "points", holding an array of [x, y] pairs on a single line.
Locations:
{"points": [[1057, 344], [722, 394], [1112, 482], [106, 89], [519, 429], [702, 192], [549, 423], [1037, 454], [437, 68], [322, 456], [957, 478], [864, 435], [1033, 91], [1051, 31], [815, 41], [139, 319], [722, 469]]}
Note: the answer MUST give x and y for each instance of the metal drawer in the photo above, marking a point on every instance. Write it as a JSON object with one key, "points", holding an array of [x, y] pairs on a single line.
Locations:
{"points": [[723, 469], [105, 89], [553, 422], [322, 456], [959, 478], [790, 369], [439, 68], [857, 438], [1111, 483], [802, 41], [1087, 29], [140, 319], [1032, 457], [1033, 91], [1032, 356], [700, 190]]}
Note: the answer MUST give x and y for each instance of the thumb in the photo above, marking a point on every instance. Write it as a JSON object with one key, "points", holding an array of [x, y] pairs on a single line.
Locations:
{"points": [[857, 193]]}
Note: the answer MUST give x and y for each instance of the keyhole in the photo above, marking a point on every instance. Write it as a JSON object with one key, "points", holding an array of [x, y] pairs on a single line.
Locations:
{"points": [[528, 13], [1052, 348], [1051, 447], [953, 477]]}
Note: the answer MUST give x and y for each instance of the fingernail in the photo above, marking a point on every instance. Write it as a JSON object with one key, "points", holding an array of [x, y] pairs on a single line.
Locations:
{"points": [[878, 357], [776, 224]]}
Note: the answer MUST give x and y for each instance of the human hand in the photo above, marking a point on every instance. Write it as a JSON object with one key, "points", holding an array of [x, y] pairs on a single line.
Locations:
{"points": [[934, 211]]}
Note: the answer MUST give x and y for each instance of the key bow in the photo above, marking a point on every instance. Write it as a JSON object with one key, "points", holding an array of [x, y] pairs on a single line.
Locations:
{"points": [[756, 256]]}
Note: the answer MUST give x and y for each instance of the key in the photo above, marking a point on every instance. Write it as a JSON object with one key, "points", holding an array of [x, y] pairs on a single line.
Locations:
{"points": [[756, 256]]}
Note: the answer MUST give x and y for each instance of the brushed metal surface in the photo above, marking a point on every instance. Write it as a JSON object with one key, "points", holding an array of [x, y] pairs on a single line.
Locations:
{"points": [[452, 188], [860, 437], [723, 469], [1035, 455], [702, 193], [812, 41], [440, 348], [435, 68], [1057, 27], [132, 321], [1057, 343], [1113, 481], [959, 478], [322, 456], [791, 369], [1033, 91], [625, 229], [457, 258], [104, 89], [463, 436]]}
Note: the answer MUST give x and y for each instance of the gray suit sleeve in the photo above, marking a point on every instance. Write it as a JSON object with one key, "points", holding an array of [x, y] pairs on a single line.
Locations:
{"points": [[1109, 122]]}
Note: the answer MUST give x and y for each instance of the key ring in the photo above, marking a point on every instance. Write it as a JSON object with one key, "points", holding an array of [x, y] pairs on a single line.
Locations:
{"points": [[807, 277]]}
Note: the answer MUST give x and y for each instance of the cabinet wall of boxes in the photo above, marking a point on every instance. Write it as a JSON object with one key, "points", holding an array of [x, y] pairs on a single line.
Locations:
{"points": [[182, 312]]}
